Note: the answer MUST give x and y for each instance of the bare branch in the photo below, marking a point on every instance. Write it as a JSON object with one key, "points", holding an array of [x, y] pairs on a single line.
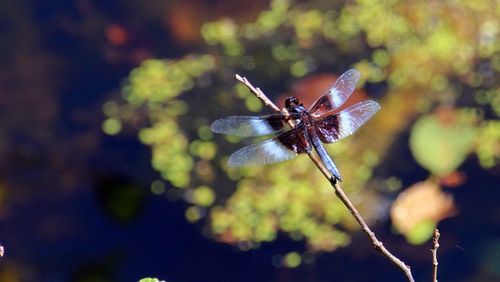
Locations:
{"points": [[435, 246], [371, 235], [377, 245], [257, 92]]}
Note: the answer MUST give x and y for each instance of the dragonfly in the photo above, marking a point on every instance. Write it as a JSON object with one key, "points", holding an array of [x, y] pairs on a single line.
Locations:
{"points": [[299, 129]]}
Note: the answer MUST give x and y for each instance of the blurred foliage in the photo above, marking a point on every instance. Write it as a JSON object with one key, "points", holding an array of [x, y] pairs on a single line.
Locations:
{"points": [[432, 53], [292, 260], [441, 142], [155, 86], [150, 280], [488, 147], [415, 222]]}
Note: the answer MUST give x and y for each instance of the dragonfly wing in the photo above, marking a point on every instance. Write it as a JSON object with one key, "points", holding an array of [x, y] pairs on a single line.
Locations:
{"points": [[339, 125], [246, 126], [265, 152], [283, 147], [337, 94]]}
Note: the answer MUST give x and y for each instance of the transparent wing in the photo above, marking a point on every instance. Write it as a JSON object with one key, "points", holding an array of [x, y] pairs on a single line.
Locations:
{"points": [[355, 116], [337, 94], [283, 147], [265, 152], [340, 125], [246, 126]]}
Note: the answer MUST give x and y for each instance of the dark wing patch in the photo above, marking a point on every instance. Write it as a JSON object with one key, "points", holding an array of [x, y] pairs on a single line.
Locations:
{"points": [[334, 127], [327, 129], [295, 140]]}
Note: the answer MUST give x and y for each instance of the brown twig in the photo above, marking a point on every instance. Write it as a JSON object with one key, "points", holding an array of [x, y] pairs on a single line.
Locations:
{"points": [[377, 245], [375, 242], [257, 92], [339, 192], [434, 249]]}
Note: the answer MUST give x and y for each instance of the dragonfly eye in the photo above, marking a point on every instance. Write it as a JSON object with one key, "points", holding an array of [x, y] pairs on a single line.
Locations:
{"points": [[291, 102]]}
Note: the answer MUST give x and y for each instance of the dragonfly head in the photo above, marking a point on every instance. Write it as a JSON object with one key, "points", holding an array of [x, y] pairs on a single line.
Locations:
{"points": [[292, 104]]}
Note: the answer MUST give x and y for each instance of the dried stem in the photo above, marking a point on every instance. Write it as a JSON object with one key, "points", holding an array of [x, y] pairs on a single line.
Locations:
{"points": [[377, 245], [257, 92], [434, 249], [340, 193], [371, 235]]}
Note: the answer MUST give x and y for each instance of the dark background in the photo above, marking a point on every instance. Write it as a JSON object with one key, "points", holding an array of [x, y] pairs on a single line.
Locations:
{"points": [[60, 175]]}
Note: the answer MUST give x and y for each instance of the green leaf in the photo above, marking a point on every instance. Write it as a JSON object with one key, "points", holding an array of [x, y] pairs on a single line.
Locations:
{"points": [[441, 144], [421, 232]]}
